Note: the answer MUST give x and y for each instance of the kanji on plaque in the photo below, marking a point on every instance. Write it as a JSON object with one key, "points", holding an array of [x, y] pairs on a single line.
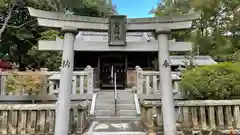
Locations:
{"points": [[117, 30]]}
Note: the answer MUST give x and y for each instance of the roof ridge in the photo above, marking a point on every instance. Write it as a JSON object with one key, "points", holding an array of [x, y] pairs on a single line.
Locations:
{"points": [[101, 36]]}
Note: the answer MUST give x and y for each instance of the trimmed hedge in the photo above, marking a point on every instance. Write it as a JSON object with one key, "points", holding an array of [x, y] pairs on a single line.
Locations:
{"points": [[219, 81]]}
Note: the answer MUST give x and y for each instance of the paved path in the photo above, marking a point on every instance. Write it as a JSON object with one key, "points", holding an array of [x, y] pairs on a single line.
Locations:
{"points": [[116, 128], [124, 122]]}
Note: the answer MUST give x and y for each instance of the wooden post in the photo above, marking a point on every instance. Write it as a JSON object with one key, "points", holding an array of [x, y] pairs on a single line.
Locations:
{"points": [[89, 71]]}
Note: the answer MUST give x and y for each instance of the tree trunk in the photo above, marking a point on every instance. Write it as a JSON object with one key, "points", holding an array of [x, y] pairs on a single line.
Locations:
{"points": [[9, 15]]}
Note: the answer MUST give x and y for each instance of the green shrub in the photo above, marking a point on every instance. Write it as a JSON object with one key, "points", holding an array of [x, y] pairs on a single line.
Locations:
{"points": [[219, 81], [24, 81]]}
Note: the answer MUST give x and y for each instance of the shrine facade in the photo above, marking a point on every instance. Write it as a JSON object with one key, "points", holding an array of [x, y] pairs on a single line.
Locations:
{"points": [[117, 44], [142, 51]]}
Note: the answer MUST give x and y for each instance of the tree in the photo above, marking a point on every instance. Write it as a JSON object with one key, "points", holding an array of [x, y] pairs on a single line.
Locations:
{"points": [[10, 8], [50, 60], [20, 33], [83, 7], [8, 16], [215, 33]]}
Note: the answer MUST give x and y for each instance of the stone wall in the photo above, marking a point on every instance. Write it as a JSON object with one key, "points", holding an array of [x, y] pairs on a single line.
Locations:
{"points": [[207, 117], [39, 119]]}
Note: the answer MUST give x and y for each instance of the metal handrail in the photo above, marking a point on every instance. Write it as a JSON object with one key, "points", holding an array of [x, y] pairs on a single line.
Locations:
{"points": [[115, 92], [115, 86], [92, 109]]}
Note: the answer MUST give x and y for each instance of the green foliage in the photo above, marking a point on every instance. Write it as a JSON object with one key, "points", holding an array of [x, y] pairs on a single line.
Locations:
{"points": [[20, 37], [22, 31], [216, 33], [83, 7], [220, 81], [50, 35], [50, 60]]}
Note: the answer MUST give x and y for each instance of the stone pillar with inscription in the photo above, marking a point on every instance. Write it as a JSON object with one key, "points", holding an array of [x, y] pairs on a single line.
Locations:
{"points": [[169, 121], [64, 98]]}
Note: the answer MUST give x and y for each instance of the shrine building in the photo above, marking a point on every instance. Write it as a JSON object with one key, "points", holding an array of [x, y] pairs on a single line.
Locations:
{"points": [[141, 50]]}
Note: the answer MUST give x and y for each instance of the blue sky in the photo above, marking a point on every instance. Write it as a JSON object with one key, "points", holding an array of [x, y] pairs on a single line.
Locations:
{"points": [[135, 8]]}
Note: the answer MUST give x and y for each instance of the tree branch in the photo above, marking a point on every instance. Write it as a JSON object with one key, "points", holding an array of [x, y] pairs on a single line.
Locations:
{"points": [[9, 15], [50, 3], [17, 27]]}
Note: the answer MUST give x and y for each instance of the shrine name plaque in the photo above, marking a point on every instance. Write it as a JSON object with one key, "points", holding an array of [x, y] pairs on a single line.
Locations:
{"points": [[117, 30]]}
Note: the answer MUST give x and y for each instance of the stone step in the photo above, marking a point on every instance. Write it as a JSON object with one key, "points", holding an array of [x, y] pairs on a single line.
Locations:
{"points": [[118, 94], [112, 113], [123, 96], [118, 91], [112, 107], [112, 94], [120, 118], [112, 101]]}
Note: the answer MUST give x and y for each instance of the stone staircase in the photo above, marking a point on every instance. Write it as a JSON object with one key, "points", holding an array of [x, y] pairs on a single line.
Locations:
{"points": [[122, 118], [124, 109]]}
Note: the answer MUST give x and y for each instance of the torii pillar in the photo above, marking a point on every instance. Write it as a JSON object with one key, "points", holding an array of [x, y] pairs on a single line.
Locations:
{"points": [[169, 120], [64, 98]]}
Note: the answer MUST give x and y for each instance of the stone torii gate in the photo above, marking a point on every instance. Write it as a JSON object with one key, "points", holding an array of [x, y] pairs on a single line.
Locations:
{"points": [[117, 26]]}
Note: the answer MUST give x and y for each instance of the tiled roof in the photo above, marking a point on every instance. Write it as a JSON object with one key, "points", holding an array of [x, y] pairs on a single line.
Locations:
{"points": [[103, 36], [197, 60]]}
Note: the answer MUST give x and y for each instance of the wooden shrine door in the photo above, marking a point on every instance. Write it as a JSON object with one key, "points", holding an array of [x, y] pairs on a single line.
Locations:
{"points": [[108, 66]]}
